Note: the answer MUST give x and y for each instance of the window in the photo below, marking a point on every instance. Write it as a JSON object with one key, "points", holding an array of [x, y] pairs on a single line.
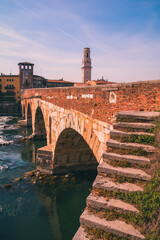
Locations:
{"points": [[26, 67], [22, 66], [30, 67], [87, 54]]}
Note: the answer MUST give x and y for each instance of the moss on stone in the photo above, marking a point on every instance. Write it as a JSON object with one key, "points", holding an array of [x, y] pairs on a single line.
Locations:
{"points": [[135, 138], [148, 203], [136, 152], [95, 233]]}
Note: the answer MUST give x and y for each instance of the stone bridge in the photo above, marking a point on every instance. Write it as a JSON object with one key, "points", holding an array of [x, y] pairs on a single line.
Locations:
{"points": [[73, 138], [76, 121], [78, 126]]}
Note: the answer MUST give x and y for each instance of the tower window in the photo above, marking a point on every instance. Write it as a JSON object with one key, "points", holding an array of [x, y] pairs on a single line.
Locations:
{"points": [[22, 66], [87, 54], [30, 67], [26, 67], [26, 83]]}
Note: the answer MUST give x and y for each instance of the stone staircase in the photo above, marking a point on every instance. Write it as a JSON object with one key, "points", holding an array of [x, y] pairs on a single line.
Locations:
{"points": [[122, 169]]}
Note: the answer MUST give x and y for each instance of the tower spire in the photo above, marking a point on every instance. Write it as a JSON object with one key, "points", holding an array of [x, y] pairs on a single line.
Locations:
{"points": [[86, 65]]}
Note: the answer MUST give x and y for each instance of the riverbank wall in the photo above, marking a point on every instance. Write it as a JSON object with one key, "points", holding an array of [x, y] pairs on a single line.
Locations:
{"points": [[10, 109]]}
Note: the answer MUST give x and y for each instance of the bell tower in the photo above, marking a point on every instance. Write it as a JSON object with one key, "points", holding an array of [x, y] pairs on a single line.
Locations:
{"points": [[26, 75], [86, 65]]}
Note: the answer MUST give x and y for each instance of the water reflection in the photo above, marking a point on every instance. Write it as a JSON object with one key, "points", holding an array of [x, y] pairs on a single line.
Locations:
{"points": [[36, 212]]}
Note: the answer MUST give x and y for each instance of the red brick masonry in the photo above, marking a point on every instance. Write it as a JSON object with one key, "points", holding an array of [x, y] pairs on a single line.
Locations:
{"points": [[96, 101]]}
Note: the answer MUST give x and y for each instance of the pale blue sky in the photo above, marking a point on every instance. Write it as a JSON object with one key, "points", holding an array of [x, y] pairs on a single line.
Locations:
{"points": [[124, 37]]}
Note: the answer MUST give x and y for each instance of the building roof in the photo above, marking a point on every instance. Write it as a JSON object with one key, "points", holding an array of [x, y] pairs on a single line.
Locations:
{"points": [[9, 75], [26, 63], [37, 76], [94, 82], [80, 84], [99, 82], [57, 81]]}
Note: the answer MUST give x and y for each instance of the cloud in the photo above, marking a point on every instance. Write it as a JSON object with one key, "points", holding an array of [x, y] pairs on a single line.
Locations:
{"points": [[70, 36], [27, 9], [119, 56], [54, 61]]}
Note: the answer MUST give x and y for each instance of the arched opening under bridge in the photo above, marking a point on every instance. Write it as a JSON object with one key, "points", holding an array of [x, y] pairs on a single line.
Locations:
{"points": [[73, 153], [29, 116], [40, 130]]}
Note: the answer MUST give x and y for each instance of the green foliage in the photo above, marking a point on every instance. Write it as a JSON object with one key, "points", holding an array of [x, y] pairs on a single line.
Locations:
{"points": [[148, 203], [137, 152], [116, 163], [111, 215], [102, 235], [143, 139], [155, 129], [123, 179]]}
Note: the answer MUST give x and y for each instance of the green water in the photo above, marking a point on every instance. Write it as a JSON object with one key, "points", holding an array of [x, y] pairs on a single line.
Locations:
{"points": [[36, 212]]}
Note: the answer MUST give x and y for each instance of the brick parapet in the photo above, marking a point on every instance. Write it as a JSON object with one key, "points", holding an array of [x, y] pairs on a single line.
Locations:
{"points": [[103, 102]]}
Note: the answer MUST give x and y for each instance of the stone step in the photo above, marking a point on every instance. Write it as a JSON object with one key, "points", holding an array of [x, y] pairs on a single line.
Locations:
{"points": [[134, 126], [116, 227], [138, 116], [99, 202], [105, 168], [130, 146], [105, 183], [80, 234], [120, 134], [126, 158]]}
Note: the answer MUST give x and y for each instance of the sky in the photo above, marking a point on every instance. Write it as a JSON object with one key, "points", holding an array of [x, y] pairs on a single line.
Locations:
{"points": [[123, 35]]}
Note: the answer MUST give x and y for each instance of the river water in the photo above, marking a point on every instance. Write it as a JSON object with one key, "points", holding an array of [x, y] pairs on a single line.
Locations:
{"points": [[34, 211]]}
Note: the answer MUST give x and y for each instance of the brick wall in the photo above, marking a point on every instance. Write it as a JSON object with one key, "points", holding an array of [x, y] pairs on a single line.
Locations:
{"points": [[103, 102]]}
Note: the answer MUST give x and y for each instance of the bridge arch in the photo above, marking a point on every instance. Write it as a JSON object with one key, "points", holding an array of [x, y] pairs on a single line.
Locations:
{"points": [[39, 124], [55, 124], [23, 111], [73, 152], [29, 115]]}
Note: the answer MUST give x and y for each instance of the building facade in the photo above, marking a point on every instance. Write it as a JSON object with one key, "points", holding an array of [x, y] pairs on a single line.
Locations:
{"points": [[9, 88], [39, 82]]}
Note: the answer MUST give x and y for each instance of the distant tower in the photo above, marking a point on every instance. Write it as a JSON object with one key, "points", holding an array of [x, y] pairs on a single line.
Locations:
{"points": [[26, 75], [86, 65]]}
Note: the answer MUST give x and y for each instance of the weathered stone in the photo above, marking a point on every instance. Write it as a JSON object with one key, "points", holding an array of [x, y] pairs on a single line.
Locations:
{"points": [[138, 115], [118, 134], [107, 184], [80, 234], [144, 126], [104, 168], [29, 174], [126, 158], [17, 179], [100, 202], [130, 146], [116, 227]]}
